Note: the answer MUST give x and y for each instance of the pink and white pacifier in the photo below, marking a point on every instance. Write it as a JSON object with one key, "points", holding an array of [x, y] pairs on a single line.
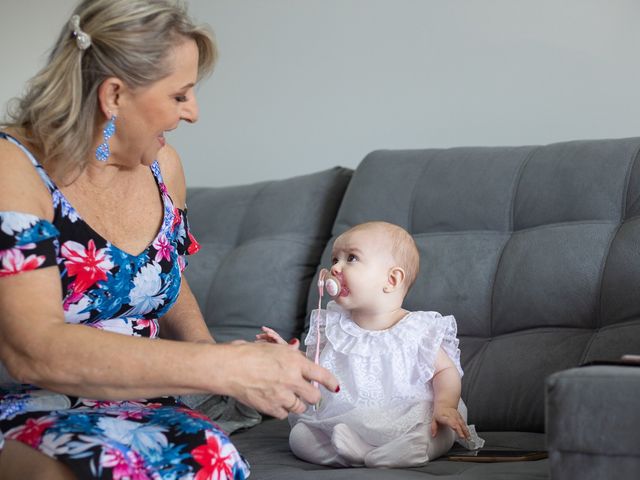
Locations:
{"points": [[328, 282]]}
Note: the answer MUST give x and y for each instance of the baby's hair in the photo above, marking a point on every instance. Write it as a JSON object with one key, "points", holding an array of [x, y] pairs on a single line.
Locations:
{"points": [[403, 248]]}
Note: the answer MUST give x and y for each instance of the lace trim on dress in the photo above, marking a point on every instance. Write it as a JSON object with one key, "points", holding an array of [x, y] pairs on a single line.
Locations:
{"points": [[442, 334], [420, 332]]}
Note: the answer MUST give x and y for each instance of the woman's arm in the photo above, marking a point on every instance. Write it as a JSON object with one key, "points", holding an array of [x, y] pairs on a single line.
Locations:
{"points": [[38, 347], [184, 321]]}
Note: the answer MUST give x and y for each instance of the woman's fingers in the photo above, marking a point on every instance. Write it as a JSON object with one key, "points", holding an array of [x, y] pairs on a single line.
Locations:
{"points": [[297, 406], [316, 373], [277, 380]]}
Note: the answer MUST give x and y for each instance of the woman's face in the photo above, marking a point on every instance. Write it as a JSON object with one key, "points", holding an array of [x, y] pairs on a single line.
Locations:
{"points": [[145, 114]]}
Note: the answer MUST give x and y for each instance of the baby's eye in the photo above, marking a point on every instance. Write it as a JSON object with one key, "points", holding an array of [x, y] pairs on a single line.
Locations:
{"points": [[352, 258], [181, 98], [334, 260]]}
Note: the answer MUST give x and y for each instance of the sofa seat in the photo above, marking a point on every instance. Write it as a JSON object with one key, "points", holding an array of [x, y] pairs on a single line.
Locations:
{"points": [[266, 447]]}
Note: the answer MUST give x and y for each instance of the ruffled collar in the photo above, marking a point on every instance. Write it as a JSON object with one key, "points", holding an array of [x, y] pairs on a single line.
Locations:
{"points": [[348, 337]]}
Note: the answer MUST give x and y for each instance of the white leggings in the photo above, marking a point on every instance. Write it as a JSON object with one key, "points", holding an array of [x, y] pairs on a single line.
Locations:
{"points": [[345, 448]]}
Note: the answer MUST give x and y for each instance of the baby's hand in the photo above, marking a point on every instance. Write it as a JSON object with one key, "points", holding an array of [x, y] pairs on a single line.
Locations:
{"points": [[450, 417], [271, 336]]}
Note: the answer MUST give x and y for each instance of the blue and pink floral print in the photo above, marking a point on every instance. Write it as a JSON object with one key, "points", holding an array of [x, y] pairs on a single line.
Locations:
{"points": [[107, 288]]}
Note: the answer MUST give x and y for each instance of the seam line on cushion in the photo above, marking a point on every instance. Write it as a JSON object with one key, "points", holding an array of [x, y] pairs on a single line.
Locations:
{"points": [[516, 186], [412, 207], [631, 320], [566, 224], [622, 323], [514, 193], [623, 208], [625, 196], [603, 267], [587, 347]]}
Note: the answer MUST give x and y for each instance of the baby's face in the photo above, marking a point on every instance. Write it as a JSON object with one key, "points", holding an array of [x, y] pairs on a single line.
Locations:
{"points": [[362, 260]]}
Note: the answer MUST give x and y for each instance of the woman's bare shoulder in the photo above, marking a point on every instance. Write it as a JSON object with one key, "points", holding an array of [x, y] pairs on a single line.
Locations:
{"points": [[21, 188], [173, 174]]}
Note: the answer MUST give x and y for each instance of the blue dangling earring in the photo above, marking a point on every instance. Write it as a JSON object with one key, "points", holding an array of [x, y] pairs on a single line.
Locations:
{"points": [[103, 151]]}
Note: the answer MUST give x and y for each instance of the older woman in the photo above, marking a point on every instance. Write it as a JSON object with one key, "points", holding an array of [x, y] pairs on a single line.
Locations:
{"points": [[93, 239]]}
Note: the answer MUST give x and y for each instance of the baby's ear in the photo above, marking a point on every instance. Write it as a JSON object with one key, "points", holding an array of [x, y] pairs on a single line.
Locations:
{"points": [[395, 279]]}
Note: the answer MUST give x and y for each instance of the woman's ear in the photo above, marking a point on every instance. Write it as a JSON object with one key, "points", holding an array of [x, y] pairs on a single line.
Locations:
{"points": [[109, 96], [395, 279]]}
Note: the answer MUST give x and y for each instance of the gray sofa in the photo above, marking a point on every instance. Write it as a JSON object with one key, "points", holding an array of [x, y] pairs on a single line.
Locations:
{"points": [[534, 249]]}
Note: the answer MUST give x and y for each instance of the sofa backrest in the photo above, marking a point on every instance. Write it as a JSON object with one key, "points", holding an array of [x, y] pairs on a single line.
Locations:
{"points": [[261, 245], [534, 249]]}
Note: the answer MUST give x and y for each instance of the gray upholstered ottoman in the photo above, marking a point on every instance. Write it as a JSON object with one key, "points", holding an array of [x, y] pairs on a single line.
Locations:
{"points": [[593, 425]]}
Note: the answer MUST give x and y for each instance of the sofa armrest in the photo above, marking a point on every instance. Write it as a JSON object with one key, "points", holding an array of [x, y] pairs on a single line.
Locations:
{"points": [[593, 422]]}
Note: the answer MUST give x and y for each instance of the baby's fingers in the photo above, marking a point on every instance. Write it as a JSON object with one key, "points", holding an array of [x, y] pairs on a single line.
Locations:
{"points": [[270, 335], [461, 429]]}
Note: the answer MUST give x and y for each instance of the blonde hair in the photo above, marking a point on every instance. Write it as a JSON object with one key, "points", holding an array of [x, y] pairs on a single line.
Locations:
{"points": [[130, 39], [403, 248]]}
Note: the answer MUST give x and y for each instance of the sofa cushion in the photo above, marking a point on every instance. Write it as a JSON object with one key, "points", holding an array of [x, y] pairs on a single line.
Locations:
{"points": [[533, 249], [266, 447], [261, 244]]}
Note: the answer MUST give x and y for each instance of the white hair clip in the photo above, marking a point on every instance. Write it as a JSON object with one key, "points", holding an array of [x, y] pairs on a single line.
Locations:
{"points": [[83, 39]]}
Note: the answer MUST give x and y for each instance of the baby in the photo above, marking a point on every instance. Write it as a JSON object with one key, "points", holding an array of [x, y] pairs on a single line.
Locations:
{"points": [[399, 401]]}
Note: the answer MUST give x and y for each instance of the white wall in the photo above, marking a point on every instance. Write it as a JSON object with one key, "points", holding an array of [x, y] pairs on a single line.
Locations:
{"points": [[304, 85]]}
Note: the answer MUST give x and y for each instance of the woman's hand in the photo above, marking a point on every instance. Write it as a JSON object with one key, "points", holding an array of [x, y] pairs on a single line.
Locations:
{"points": [[273, 378], [271, 336]]}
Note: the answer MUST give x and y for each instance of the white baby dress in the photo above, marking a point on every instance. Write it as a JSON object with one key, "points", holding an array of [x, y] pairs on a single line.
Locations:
{"points": [[384, 375]]}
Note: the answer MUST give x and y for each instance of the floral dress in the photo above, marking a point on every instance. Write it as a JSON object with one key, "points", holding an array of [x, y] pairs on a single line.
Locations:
{"points": [[107, 288]]}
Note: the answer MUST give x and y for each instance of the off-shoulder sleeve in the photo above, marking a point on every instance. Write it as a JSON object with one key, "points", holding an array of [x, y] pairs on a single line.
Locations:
{"points": [[186, 244], [26, 243], [440, 332]]}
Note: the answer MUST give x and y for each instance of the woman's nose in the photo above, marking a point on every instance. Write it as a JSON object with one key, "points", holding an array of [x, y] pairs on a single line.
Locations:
{"points": [[191, 111]]}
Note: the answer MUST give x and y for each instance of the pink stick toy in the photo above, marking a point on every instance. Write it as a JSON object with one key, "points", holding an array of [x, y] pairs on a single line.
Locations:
{"points": [[332, 285]]}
